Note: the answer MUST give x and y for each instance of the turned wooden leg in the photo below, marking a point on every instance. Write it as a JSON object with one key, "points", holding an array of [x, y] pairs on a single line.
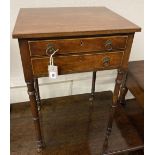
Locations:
{"points": [[34, 110], [123, 91], [91, 99], [119, 81], [37, 93]]}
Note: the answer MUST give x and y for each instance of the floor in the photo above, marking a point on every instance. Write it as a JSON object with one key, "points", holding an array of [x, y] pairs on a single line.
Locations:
{"points": [[71, 126]]}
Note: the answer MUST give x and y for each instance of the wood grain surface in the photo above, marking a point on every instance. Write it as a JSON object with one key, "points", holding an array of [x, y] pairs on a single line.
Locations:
{"points": [[79, 45], [37, 25], [70, 21], [78, 63]]}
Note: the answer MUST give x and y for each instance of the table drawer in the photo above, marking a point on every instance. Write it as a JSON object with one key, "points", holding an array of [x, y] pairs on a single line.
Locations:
{"points": [[78, 63], [110, 43]]}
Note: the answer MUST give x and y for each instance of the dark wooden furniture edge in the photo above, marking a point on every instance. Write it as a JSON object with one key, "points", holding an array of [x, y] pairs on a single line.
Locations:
{"points": [[71, 34]]}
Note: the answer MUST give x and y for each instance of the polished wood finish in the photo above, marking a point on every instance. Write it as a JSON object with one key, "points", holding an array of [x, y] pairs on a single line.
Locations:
{"points": [[37, 93], [29, 79], [113, 108], [77, 63], [119, 81], [72, 21], [135, 82], [69, 131], [79, 45], [34, 110], [88, 39], [93, 87]]}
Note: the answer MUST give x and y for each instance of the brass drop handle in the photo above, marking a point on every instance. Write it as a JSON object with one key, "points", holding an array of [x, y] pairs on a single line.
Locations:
{"points": [[108, 45], [50, 49], [106, 61]]}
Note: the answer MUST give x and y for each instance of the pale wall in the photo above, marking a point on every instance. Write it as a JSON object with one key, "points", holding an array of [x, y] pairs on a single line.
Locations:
{"points": [[77, 83]]}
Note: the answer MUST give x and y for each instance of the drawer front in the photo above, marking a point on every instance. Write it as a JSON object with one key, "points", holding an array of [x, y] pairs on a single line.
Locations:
{"points": [[46, 47], [78, 63]]}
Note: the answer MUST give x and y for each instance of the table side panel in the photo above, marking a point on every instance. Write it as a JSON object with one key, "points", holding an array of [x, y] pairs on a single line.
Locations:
{"points": [[127, 52]]}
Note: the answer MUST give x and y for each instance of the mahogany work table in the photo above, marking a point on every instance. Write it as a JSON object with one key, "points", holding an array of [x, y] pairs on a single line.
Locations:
{"points": [[88, 39]]}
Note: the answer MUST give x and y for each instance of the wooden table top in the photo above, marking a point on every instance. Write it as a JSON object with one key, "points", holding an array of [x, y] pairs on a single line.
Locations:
{"points": [[70, 21]]}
